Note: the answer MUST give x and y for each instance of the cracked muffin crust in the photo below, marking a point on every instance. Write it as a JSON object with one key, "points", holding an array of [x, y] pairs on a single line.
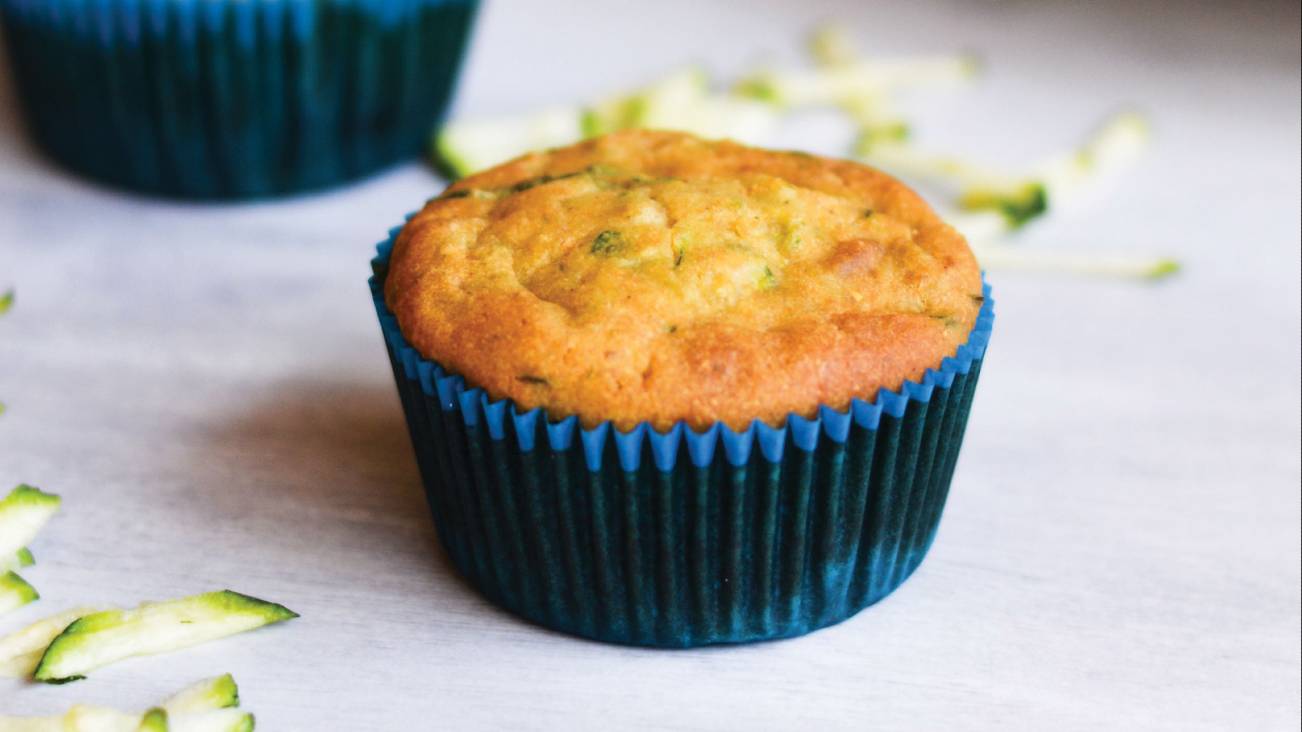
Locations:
{"points": [[658, 277]]}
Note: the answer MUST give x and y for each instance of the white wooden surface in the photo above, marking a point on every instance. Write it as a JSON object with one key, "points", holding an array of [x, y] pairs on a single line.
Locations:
{"points": [[205, 387]]}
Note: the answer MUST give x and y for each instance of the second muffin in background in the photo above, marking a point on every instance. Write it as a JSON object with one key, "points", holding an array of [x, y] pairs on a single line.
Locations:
{"points": [[220, 99], [670, 392]]}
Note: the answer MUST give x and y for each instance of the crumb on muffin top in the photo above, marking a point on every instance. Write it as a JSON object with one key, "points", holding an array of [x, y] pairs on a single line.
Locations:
{"points": [[659, 277]]}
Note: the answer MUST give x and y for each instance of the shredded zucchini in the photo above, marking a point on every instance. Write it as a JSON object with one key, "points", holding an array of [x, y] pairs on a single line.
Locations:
{"points": [[86, 718], [993, 204], [21, 650], [154, 720], [23, 513], [642, 108], [1106, 152], [680, 101], [1059, 180], [19, 559], [833, 86], [1102, 265], [15, 592], [218, 720], [113, 635], [218, 692], [465, 147]]}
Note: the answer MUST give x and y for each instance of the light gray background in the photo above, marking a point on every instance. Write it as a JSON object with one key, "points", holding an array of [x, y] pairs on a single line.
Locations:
{"points": [[206, 388]]}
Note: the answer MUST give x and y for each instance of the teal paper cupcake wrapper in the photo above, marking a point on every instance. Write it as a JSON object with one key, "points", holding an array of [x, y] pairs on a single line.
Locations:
{"points": [[233, 98], [684, 538]]}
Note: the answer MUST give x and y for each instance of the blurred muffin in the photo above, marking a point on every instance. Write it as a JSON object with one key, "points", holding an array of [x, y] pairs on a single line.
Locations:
{"points": [[228, 98], [678, 303]]}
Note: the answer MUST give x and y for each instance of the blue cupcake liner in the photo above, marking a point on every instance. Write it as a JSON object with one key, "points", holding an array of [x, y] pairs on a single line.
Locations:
{"points": [[219, 99], [684, 538]]}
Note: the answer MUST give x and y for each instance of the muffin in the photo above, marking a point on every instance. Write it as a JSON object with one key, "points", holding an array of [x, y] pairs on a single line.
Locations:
{"points": [[229, 98], [667, 391]]}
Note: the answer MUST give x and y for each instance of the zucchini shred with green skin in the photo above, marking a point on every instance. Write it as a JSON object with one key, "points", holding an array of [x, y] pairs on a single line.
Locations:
{"points": [[681, 101], [154, 720], [990, 205], [23, 513], [218, 692], [19, 559], [216, 720], [113, 635], [15, 592], [21, 650], [86, 718]]}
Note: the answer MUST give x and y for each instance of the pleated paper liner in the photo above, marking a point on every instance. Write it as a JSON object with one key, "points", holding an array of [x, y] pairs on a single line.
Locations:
{"points": [[684, 538], [233, 98]]}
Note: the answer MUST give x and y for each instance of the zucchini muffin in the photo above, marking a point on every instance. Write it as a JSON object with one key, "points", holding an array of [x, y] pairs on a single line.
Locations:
{"points": [[656, 277], [668, 391], [229, 99]]}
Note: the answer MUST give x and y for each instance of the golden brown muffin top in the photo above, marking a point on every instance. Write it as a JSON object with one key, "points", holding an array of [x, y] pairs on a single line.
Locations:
{"points": [[655, 276]]}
